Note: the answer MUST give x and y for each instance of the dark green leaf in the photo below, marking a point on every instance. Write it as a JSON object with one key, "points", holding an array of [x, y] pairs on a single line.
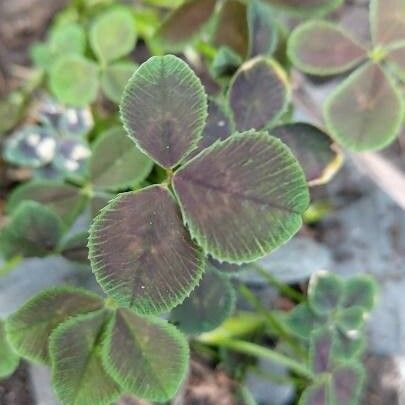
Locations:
{"points": [[222, 190], [75, 122], [361, 291], [346, 384], [302, 321], [316, 394], [320, 350], [314, 150], [258, 94], [147, 356], [225, 63], [365, 112], [75, 248], [141, 254], [30, 327], [208, 305], [33, 231], [74, 80], [9, 359], [116, 163], [323, 48], [350, 319], [72, 155], [113, 35], [164, 109], [78, 374], [349, 345], [325, 292]]}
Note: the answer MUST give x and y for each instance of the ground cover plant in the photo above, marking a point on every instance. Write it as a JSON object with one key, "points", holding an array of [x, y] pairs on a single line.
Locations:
{"points": [[171, 193]]}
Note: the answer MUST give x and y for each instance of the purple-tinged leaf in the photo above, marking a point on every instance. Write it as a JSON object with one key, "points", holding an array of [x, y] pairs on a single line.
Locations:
{"points": [[78, 374], [346, 384], [164, 109], [314, 150], [141, 253], [360, 291], [320, 350], [231, 27], [396, 57], [207, 306], [98, 201], [31, 147], [258, 94], [315, 395], [306, 7], [387, 19], [242, 197], [262, 29], [302, 321], [323, 48], [75, 248], [147, 356], [75, 122], [72, 155], [29, 328], [365, 112], [65, 200], [325, 292], [116, 163], [185, 21]]}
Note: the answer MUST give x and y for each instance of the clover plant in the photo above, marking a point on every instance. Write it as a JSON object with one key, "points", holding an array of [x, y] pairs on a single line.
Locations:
{"points": [[366, 110]]}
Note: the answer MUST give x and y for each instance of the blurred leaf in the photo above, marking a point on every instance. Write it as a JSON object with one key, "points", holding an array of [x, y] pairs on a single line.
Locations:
{"points": [[348, 346], [320, 350], [185, 21], [397, 59], [302, 321], [230, 174], [324, 48], [365, 112], [78, 374], [67, 39], [11, 109], [30, 327], [164, 109], [232, 28], [262, 29], [114, 79], [65, 200], [116, 163], [361, 291], [258, 94], [31, 146], [113, 35], [325, 292], [306, 7], [72, 155], [314, 150], [346, 384], [316, 394], [350, 319], [74, 80], [41, 55], [159, 265], [33, 231], [225, 62], [207, 306], [75, 248], [9, 359], [75, 122], [147, 356]]}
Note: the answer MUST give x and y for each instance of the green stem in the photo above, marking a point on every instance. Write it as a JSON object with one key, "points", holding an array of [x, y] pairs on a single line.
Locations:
{"points": [[282, 287], [253, 349]]}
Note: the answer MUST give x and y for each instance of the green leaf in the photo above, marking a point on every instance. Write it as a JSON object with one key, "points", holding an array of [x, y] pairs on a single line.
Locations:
{"points": [[258, 94], [225, 62], [41, 55], [141, 254], [316, 394], [396, 58], [185, 22], [320, 350], [114, 79], [325, 292], [350, 319], [164, 109], [360, 291], [74, 80], [67, 39], [302, 321], [75, 248], [29, 328], [346, 384], [348, 346], [33, 231], [323, 48], [32, 146], [314, 150], [113, 35], [78, 374], [263, 34], [116, 163], [63, 199], [222, 190], [387, 20], [232, 28], [147, 356], [207, 307], [9, 358], [306, 7], [365, 112]]}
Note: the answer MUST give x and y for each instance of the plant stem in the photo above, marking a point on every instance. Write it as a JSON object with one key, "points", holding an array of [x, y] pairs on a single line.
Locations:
{"points": [[253, 349]]}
